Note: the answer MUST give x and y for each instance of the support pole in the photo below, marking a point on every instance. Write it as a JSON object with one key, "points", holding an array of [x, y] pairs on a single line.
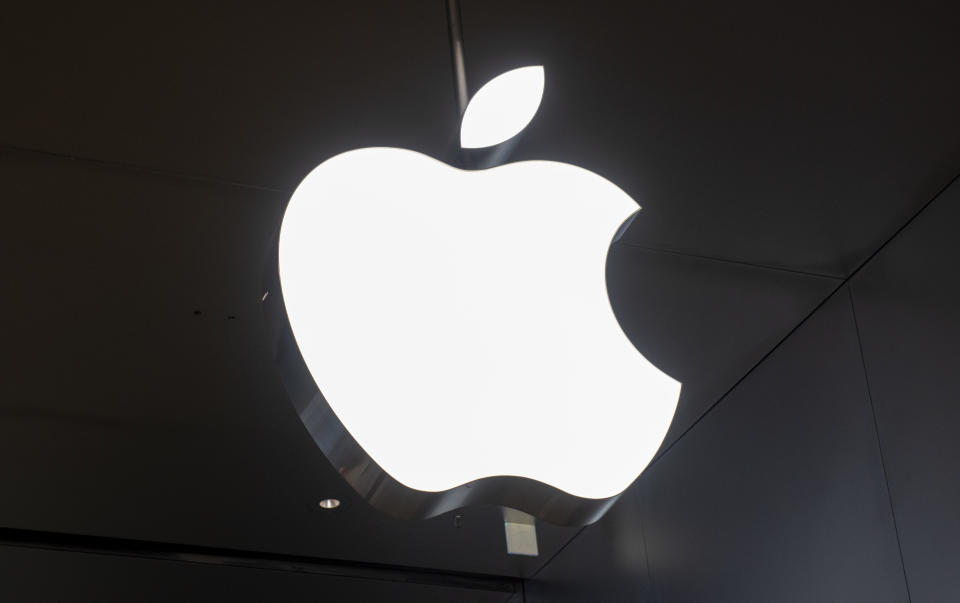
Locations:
{"points": [[455, 28]]}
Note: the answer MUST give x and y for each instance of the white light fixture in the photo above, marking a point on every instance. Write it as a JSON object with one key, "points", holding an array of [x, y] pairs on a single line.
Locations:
{"points": [[458, 326], [502, 108], [329, 503]]}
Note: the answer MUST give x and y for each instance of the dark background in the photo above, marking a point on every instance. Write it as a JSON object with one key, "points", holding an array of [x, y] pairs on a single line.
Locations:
{"points": [[794, 265]]}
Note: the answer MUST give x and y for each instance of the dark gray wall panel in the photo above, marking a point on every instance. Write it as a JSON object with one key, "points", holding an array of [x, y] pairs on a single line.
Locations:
{"points": [[606, 562], [705, 322], [907, 302], [778, 494], [28, 575]]}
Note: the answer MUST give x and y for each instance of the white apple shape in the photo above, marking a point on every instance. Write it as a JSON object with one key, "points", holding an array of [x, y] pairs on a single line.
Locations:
{"points": [[458, 324], [502, 107]]}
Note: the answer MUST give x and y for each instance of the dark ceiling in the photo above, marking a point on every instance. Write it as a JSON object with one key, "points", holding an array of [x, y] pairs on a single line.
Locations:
{"points": [[146, 154]]}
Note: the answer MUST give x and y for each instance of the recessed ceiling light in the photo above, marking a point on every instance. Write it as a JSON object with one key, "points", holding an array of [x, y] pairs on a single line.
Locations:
{"points": [[329, 503]]}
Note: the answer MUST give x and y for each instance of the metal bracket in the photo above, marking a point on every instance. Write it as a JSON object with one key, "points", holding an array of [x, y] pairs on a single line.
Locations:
{"points": [[521, 532]]}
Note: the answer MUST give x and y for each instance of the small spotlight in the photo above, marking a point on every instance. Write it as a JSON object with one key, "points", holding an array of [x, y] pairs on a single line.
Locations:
{"points": [[329, 503]]}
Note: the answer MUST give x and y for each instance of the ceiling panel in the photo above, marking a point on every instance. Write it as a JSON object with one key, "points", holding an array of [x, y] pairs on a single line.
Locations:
{"points": [[778, 494], [252, 92], [704, 322], [45, 575], [125, 413], [798, 135], [907, 303]]}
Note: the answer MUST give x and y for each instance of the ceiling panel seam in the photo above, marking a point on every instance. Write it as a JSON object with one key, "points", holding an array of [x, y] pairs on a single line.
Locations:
{"points": [[876, 430], [711, 258], [130, 167], [555, 554], [651, 580]]}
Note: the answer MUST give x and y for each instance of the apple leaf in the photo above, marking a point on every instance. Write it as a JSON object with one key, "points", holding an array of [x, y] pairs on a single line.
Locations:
{"points": [[502, 107]]}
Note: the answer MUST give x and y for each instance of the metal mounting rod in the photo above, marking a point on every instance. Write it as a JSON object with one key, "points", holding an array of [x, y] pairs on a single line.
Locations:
{"points": [[455, 27]]}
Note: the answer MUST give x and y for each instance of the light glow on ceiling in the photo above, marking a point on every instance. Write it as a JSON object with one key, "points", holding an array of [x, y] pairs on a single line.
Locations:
{"points": [[458, 323]]}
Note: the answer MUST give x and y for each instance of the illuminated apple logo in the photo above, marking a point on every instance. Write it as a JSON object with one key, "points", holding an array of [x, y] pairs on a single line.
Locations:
{"points": [[457, 329]]}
